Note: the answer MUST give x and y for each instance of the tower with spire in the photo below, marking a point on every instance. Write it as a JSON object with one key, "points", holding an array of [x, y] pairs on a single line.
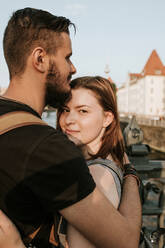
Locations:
{"points": [[107, 72]]}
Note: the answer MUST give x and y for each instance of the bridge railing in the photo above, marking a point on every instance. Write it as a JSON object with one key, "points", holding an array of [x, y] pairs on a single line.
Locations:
{"points": [[152, 174], [144, 120], [151, 122]]}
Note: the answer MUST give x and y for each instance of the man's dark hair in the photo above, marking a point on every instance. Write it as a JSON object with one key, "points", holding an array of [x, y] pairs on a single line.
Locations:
{"points": [[28, 28]]}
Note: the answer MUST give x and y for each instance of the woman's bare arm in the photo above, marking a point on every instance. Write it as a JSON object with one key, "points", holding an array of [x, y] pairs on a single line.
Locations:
{"points": [[105, 182], [97, 219]]}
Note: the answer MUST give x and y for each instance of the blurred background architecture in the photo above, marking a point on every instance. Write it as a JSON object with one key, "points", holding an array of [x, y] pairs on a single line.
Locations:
{"points": [[143, 94]]}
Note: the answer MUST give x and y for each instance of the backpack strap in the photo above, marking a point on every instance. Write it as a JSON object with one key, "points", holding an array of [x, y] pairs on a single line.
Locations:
{"points": [[46, 233], [17, 119], [10, 121], [113, 168], [109, 164]]}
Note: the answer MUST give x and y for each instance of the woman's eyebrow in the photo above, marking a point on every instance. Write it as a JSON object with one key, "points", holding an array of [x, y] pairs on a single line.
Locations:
{"points": [[83, 105]]}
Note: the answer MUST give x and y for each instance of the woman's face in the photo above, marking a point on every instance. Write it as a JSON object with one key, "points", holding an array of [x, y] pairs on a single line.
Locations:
{"points": [[84, 119]]}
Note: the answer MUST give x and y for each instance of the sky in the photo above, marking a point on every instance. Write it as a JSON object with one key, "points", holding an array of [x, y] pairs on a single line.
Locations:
{"points": [[118, 34]]}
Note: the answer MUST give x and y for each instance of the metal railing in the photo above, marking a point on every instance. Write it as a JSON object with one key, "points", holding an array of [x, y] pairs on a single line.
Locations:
{"points": [[152, 174]]}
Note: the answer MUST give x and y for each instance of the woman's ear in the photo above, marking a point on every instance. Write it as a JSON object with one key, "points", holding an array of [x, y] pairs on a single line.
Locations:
{"points": [[108, 118], [39, 59]]}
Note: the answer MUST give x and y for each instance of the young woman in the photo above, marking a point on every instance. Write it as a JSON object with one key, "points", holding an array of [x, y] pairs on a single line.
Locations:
{"points": [[90, 119]]}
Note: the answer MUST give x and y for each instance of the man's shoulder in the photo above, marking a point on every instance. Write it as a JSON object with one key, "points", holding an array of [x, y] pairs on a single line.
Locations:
{"points": [[35, 138], [55, 144]]}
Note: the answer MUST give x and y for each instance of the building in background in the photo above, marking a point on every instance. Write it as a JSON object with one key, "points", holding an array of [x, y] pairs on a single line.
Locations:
{"points": [[144, 93]]}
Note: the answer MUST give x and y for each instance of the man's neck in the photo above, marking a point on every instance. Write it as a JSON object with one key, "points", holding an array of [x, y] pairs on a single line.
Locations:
{"points": [[26, 93]]}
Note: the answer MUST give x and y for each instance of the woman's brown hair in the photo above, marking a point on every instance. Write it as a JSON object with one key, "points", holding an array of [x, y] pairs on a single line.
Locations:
{"points": [[112, 140]]}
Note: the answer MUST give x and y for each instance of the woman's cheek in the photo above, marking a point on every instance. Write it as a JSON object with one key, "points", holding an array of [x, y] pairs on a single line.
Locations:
{"points": [[61, 123]]}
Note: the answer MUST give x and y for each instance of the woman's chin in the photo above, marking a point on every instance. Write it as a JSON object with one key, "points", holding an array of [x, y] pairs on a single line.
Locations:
{"points": [[75, 140]]}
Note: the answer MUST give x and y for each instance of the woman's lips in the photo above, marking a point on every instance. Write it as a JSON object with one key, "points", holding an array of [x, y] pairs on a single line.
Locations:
{"points": [[69, 131]]}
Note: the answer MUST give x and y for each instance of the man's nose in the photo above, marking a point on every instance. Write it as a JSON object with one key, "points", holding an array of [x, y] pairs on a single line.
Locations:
{"points": [[73, 69]]}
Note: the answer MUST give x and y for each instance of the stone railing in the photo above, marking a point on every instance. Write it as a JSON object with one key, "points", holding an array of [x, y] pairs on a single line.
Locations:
{"points": [[144, 120]]}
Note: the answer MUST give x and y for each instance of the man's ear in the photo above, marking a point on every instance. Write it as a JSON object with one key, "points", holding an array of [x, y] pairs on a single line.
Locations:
{"points": [[108, 118], [39, 59]]}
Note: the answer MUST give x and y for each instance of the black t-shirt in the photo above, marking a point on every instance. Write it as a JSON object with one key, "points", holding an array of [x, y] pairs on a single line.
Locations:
{"points": [[41, 172]]}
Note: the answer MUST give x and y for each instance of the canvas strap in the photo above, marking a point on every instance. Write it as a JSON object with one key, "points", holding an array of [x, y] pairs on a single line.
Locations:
{"points": [[17, 119]]}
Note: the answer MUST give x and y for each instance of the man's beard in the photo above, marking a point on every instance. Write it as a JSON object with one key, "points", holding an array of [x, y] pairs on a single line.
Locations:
{"points": [[56, 94]]}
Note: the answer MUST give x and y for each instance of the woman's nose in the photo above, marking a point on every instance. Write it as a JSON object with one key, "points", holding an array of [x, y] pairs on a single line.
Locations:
{"points": [[70, 118]]}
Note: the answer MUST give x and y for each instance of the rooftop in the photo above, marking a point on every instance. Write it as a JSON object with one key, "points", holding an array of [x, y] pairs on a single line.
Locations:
{"points": [[153, 66]]}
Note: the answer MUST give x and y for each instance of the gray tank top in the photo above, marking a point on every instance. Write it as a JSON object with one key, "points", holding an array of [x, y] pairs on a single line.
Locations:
{"points": [[114, 169]]}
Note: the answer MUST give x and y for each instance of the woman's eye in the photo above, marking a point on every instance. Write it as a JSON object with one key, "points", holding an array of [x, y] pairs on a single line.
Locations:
{"points": [[65, 110], [83, 111]]}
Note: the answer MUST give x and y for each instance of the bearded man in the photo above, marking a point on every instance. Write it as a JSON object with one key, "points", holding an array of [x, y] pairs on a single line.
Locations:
{"points": [[42, 174]]}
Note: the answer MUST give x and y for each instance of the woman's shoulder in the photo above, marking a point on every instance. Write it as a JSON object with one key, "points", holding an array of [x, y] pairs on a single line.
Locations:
{"points": [[108, 177], [107, 164]]}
